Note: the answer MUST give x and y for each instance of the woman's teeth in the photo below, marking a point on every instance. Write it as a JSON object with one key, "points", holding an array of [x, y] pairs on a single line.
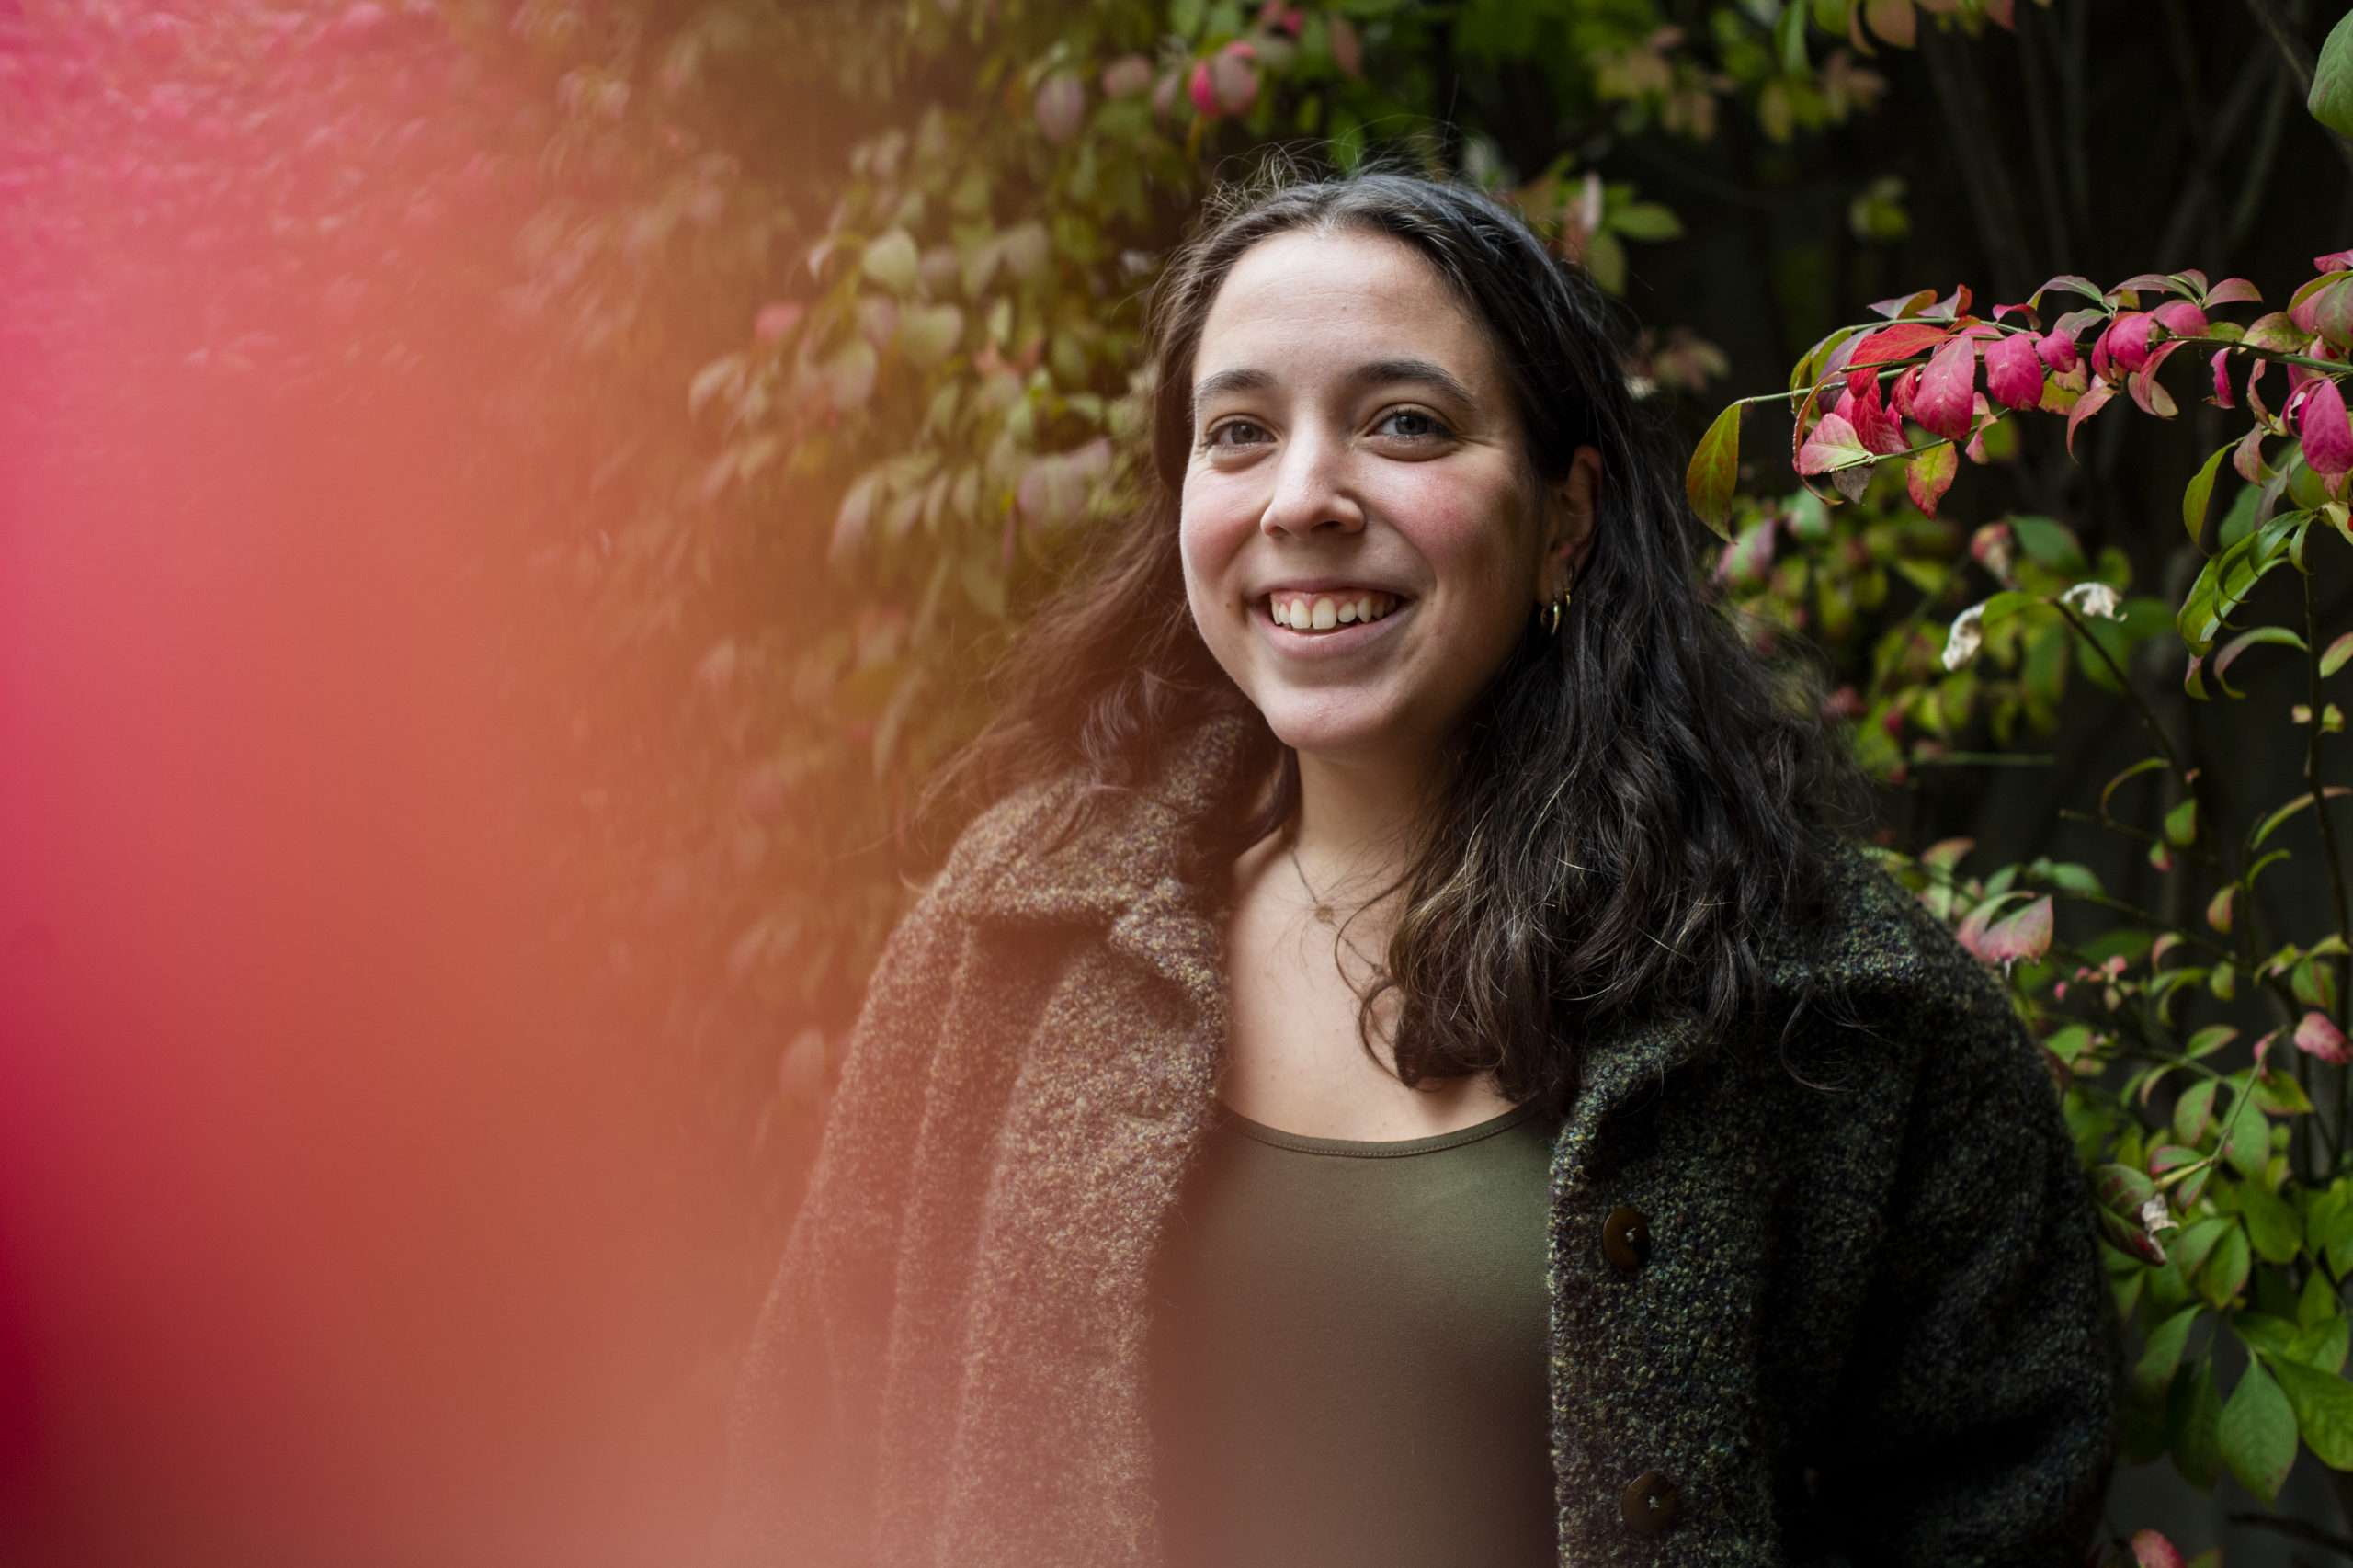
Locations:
{"points": [[1322, 613]]}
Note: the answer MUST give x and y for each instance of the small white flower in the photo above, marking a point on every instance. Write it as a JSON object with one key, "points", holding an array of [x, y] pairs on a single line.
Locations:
{"points": [[1967, 635], [2155, 1217], [2094, 599]]}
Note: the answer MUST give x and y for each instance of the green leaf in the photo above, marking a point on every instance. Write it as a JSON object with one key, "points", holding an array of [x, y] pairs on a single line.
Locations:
{"points": [[2195, 1244], [2201, 494], [2225, 1273], [1646, 221], [2196, 1441], [2331, 100], [1789, 37], [2322, 1403], [2154, 1373], [2259, 1433], [2333, 658], [2272, 1225], [2207, 1042], [2181, 824], [2193, 1110], [2322, 1346], [1715, 471], [2318, 1304]]}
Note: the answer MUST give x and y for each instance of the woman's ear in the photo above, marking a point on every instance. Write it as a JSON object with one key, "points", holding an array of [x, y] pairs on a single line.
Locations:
{"points": [[1573, 505]]}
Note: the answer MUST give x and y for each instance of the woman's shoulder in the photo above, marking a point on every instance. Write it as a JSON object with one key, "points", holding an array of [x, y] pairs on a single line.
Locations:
{"points": [[1874, 946]]}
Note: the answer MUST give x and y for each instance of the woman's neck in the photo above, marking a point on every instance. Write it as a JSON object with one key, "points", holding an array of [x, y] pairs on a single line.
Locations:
{"points": [[1359, 823]]}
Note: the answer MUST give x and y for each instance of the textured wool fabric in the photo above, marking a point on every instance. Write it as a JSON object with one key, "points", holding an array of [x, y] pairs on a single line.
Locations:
{"points": [[1870, 1330]]}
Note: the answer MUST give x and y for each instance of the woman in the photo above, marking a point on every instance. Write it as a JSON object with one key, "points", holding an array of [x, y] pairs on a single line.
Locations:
{"points": [[1398, 1072]]}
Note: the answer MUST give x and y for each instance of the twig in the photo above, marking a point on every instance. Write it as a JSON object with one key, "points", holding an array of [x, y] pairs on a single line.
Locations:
{"points": [[2310, 1534]]}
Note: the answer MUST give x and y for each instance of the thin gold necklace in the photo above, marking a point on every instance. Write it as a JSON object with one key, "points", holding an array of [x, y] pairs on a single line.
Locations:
{"points": [[1325, 915]]}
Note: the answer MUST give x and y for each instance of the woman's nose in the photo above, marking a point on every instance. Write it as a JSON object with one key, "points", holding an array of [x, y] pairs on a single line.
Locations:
{"points": [[1311, 490]]}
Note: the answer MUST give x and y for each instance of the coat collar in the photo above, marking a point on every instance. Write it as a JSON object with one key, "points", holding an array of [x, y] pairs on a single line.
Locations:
{"points": [[1120, 872]]}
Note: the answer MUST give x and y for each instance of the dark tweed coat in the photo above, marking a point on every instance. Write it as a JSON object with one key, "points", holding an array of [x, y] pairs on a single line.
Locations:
{"points": [[1871, 1329]]}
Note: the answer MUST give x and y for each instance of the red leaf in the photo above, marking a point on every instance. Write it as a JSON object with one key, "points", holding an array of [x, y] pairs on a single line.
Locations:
{"points": [[2247, 456], [2318, 1037], [1899, 396], [1873, 424], [1891, 345], [1946, 392], [2235, 291], [2322, 427], [2058, 350], [2223, 379], [2334, 261], [2074, 285], [2151, 1550], [2014, 371], [1931, 473], [2125, 342], [2091, 402]]}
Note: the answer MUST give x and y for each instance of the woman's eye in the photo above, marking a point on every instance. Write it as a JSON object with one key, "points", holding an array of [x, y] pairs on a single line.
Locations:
{"points": [[1411, 422], [1237, 433]]}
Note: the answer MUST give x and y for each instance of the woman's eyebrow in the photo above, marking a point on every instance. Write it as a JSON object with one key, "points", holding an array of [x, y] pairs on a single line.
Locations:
{"points": [[1222, 381], [1389, 372], [1372, 373]]}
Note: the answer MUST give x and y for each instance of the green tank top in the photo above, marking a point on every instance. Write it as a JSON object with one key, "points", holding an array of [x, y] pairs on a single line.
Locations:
{"points": [[1348, 1352]]}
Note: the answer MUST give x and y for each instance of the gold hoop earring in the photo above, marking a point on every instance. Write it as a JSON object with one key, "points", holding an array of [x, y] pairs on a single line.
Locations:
{"points": [[1551, 615]]}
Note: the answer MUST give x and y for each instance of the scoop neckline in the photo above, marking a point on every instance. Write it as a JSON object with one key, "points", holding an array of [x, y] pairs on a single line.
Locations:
{"points": [[1376, 1149]]}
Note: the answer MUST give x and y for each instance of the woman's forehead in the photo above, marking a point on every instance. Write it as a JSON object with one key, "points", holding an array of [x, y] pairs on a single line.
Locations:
{"points": [[1308, 300]]}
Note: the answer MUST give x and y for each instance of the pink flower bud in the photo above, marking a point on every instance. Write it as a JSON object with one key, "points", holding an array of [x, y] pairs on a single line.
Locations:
{"points": [[774, 321], [1060, 106], [1203, 90]]}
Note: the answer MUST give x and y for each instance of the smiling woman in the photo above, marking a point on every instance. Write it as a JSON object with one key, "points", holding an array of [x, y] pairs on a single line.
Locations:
{"points": [[1399, 1070]]}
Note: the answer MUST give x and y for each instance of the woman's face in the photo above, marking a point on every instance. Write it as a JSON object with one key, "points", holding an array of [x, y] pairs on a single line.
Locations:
{"points": [[1364, 536]]}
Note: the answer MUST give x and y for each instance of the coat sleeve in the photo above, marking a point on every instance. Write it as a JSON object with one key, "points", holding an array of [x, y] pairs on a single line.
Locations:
{"points": [[1972, 1422], [802, 1442]]}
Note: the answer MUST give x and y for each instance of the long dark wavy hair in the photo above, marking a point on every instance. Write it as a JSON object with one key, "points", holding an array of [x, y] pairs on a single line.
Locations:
{"points": [[1633, 807]]}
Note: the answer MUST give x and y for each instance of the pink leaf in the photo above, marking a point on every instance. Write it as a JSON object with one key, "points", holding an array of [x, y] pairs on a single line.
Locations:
{"points": [[2318, 1037], [2334, 261], [2180, 318], [2014, 371], [1834, 445], [2223, 379], [2235, 291], [2322, 427], [1904, 305], [2330, 313], [2142, 385], [2058, 351], [2024, 936], [2151, 1550], [2125, 342], [1946, 396], [2091, 402]]}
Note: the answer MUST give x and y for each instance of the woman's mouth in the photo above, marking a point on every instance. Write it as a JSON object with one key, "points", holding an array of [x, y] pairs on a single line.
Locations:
{"points": [[1328, 611]]}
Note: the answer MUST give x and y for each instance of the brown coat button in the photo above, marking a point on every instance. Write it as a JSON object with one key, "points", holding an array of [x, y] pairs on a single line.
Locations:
{"points": [[1648, 1504], [1626, 1238]]}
